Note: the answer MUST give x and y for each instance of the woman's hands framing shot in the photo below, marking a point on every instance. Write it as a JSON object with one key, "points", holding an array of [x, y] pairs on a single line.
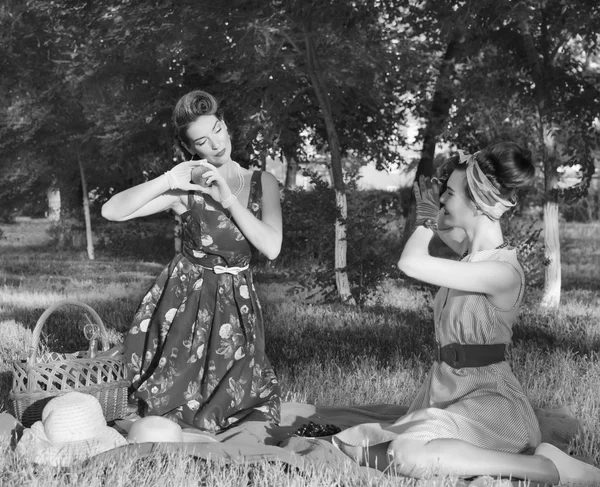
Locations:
{"points": [[427, 197]]}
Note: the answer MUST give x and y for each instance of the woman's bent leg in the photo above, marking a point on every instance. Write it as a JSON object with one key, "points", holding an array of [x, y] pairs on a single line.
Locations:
{"points": [[421, 459], [418, 459], [375, 456]]}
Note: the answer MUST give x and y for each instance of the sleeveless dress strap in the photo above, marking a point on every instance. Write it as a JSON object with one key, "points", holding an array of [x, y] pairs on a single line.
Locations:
{"points": [[255, 197], [195, 198], [255, 206]]}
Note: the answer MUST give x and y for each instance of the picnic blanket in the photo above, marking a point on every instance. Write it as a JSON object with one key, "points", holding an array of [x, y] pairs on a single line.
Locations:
{"points": [[255, 441]]}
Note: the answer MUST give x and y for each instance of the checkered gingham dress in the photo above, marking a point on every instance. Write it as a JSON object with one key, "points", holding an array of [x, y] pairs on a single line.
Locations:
{"points": [[485, 406]]}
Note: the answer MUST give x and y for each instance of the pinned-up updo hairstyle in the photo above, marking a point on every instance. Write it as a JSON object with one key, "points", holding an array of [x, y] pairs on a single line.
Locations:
{"points": [[507, 166], [187, 110]]}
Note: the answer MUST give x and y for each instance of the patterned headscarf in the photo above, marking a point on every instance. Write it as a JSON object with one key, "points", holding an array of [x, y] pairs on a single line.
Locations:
{"points": [[486, 196]]}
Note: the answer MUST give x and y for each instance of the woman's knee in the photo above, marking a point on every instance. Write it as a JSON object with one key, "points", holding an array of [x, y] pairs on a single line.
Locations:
{"points": [[410, 458]]}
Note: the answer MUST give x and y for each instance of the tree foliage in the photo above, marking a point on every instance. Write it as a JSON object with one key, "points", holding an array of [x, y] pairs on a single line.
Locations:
{"points": [[99, 80]]}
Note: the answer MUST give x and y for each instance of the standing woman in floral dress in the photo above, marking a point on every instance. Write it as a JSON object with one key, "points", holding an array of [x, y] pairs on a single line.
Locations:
{"points": [[196, 346], [471, 416]]}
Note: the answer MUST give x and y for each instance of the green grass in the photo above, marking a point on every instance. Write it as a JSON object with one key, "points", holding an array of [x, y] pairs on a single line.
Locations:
{"points": [[323, 354]]}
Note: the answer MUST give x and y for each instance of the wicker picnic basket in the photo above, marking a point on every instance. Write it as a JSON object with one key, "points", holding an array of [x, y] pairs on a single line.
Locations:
{"points": [[42, 377]]}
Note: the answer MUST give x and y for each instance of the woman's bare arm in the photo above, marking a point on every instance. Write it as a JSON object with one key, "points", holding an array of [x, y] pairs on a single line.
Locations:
{"points": [[265, 234], [489, 277], [152, 196]]}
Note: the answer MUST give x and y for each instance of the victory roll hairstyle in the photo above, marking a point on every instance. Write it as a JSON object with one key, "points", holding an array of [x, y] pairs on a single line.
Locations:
{"points": [[187, 110]]}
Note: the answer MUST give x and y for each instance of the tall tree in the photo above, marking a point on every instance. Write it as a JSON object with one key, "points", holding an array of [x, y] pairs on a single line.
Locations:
{"points": [[342, 65], [539, 50], [523, 74], [438, 113], [563, 134], [539, 90], [77, 92]]}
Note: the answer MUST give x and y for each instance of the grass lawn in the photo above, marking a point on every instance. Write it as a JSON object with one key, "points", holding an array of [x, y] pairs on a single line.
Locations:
{"points": [[323, 354]]}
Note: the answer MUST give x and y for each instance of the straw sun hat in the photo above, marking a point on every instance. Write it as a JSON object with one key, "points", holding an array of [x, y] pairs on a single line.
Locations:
{"points": [[72, 429]]}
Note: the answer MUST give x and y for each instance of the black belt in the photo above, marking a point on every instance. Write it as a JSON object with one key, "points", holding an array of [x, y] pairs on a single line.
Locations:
{"points": [[459, 356]]}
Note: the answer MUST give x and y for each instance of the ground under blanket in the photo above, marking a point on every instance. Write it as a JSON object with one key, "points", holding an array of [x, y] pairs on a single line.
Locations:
{"points": [[254, 441]]}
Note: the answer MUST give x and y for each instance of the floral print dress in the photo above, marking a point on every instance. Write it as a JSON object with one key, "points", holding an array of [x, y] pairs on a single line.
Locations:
{"points": [[196, 347]]}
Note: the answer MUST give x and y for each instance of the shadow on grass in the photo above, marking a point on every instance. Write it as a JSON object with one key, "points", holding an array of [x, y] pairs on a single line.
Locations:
{"points": [[341, 335], [62, 332], [388, 337], [400, 335], [589, 284], [300, 335], [31, 248]]}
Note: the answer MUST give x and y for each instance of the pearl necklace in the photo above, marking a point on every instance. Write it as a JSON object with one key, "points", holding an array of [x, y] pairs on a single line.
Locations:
{"points": [[241, 180]]}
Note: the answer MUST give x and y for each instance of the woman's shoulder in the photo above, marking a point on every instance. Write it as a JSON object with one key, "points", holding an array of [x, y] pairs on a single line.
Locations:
{"points": [[268, 184], [268, 179], [505, 254]]}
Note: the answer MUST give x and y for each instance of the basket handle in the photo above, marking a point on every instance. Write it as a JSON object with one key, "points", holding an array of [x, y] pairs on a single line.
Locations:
{"points": [[37, 331]]}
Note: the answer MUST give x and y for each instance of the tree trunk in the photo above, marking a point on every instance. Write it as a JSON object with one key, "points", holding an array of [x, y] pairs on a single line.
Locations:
{"points": [[291, 171], [341, 247], [319, 85], [552, 283], [53, 195], [263, 160], [86, 208], [438, 116], [547, 133]]}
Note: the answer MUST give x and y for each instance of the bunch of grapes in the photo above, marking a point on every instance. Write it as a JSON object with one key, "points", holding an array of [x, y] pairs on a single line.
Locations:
{"points": [[314, 430]]}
